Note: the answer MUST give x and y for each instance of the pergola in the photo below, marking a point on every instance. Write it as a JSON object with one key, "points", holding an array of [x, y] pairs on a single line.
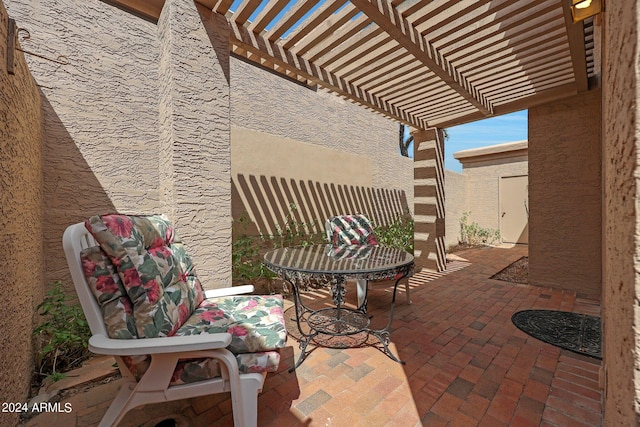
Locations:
{"points": [[424, 63]]}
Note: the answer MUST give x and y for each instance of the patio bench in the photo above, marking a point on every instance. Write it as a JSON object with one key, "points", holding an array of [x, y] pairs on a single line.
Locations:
{"points": [[172, 340]]}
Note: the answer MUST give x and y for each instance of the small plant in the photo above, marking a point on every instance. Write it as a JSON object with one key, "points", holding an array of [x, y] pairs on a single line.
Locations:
{"points": [[473, 234], [62, 338], [248, 249], [294, 233], [246, 254], [398, 234]]}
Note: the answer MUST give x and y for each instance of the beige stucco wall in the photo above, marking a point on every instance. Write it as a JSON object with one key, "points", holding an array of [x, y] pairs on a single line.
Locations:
{"points": [[565, 152], [21, 255], [483, 171], [266, 103], [100, 112], [291, 144], [621, 158], [195, 134], [455, 202]]}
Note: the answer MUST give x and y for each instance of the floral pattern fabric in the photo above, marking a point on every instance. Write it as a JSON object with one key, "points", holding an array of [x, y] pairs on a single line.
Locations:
{"points": [[155, 270], [256, 323], [146, 285], [117, 309]]}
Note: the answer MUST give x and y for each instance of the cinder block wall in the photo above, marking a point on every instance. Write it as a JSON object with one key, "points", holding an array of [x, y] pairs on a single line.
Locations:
{"points": [[21, 221], [565, 194]]}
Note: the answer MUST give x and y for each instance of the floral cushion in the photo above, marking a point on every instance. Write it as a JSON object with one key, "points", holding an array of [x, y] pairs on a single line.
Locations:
{"points": [[352, 230], [256, 323], [146, 285], [117, 309], [156, 271], [192, 370]]}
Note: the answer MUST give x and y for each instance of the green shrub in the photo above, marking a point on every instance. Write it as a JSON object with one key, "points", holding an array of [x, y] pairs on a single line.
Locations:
{"points": [[248, 250], [398, 234], [473, 234], [62, 337]]}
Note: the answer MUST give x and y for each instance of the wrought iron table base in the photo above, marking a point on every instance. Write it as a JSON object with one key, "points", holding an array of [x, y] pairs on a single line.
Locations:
{"points": [[339, 320]]}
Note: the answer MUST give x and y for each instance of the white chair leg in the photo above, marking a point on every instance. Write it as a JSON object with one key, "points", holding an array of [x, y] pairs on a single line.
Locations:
{"points": [[361, 286], [407, 291], [250, 386], [119, 406]]}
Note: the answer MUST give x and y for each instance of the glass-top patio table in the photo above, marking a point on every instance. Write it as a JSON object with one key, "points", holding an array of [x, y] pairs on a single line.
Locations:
{"points": [[330, 266]]}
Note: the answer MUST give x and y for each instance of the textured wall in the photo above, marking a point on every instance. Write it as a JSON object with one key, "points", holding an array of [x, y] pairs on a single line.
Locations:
{"points": [[265, 102], [21, 256], [100, 112], [483, 192], [195, 134], [429, 199], [455, 204], [565, 158], [621, 157]]}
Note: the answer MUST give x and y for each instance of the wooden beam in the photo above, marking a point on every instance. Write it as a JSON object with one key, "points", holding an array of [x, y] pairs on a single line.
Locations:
{"points": [[550, 95], [292, 16], [387, 17], [328, 27], [575, 34], [149, 9], [244, 11], [317, 19], [262, 46], [266, 15]]}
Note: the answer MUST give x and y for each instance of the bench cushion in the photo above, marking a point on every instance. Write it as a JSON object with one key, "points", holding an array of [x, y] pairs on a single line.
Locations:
{"points": [[155, 270], [117, 309], [255, 322]]}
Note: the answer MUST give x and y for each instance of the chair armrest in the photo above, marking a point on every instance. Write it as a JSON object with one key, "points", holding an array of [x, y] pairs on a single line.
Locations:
{"points": [[223, 292], [101, 344]]}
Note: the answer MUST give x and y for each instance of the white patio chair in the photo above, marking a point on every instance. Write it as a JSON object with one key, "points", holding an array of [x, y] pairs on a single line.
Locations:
{"points": [[155, 384]]}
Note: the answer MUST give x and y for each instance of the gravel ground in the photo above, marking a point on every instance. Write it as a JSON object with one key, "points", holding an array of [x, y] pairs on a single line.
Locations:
{"points": [[516, 272]]}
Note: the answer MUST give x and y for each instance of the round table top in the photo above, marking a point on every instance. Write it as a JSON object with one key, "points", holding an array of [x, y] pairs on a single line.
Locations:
{"points": [[327, 259]]}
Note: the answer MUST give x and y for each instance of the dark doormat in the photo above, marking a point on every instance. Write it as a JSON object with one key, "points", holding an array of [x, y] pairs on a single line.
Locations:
{"points": [[572, 331]]}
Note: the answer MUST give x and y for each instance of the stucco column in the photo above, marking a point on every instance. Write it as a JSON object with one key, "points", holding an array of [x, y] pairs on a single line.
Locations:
{"points": [[621, 222], [428, 174], [195, 160]]}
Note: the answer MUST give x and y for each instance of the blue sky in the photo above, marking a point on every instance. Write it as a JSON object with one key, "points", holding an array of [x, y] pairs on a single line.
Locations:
{"points": [[496, 130]]}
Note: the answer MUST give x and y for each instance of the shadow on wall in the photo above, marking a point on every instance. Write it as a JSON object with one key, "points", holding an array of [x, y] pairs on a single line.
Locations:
{"points": [[269, 202], [72, 193]]}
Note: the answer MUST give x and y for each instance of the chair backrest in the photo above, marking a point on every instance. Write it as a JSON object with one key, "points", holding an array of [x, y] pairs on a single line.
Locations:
{"points": [[350, 230], [132, 275], [75, 239]]}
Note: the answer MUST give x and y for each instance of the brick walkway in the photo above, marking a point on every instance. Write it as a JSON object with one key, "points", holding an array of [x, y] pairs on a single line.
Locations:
{"points": [[467, 365]]}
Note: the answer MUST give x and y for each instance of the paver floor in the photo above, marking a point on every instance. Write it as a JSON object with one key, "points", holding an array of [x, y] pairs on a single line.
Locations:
{"points": [[466, 365]]}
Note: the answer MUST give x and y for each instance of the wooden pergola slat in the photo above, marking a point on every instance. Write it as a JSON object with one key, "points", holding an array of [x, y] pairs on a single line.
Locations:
{"points": [[262, 46], [421, 62]]}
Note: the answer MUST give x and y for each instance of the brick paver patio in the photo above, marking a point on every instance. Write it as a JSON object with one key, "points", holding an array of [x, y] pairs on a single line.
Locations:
{"points": [[466, 365]]}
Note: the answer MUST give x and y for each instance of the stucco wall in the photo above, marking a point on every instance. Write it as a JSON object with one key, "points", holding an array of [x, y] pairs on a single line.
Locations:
{"points": [[621, 157], [195, 134], [483, 187], [100, 112], [455, 202], [266, 103], [565, 152], [21, 255]]}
